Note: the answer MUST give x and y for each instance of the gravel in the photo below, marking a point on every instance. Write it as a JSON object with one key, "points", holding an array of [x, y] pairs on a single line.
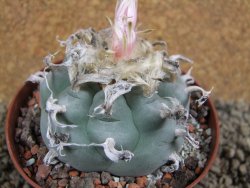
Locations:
{"points": [[231, 168], [9, 177]]}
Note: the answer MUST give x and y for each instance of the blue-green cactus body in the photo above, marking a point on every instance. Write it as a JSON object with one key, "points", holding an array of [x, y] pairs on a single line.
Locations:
{"points": [[135, 124], [174, 89]]}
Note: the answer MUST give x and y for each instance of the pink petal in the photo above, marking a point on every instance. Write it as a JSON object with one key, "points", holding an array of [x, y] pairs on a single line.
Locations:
{"points": [[124, 32]]}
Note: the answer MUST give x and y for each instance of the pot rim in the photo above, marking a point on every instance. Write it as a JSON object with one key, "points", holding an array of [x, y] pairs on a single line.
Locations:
{"points": [[15, 107]]}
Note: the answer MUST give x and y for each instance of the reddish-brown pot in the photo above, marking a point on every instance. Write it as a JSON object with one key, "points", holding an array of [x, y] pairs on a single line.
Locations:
{"points": [[21, 99]]}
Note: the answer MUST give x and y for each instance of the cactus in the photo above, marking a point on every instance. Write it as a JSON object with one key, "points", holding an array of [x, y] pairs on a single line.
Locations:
{"points": [[115, 103]]}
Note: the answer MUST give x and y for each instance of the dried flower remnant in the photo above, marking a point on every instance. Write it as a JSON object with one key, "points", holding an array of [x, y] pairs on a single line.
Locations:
{"points": [[205, 94], [175, 110], [112, 92], [124, 28]]}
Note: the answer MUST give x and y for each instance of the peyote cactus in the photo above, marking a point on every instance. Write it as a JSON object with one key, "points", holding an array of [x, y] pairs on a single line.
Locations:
{"points": [[115, 103]]}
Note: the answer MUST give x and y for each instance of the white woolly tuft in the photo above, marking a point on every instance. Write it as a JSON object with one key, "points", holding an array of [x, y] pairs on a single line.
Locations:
{"points": [[112, 92], [185, 134], [38, 77], [205, 94], [188, 78], [109, 150], [175, 166], [50, 157]]}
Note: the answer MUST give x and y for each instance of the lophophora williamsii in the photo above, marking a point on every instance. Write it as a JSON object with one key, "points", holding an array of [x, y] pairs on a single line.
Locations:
{"points": [[116, 103]]}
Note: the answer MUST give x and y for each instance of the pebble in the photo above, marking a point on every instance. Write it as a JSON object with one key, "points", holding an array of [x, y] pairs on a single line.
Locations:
{"points": [[18, 133], [82, 174], [60, 171], [189, 175], [112, 184], [191, 163], [31, 102], [246, 144], [236, 113], [76, 182], [191, 128], [208, 131], [30, 162], [245, 129], [133, 185], [123, 183], [166, 186], [97, 181], [198, 170], [38, 162], [73, 173], [141, 181], [88, 182], [229, 152], [42, 152], [226, 180], [34, 149], [129, 179], [119, 185], [216, 169], [246, 117], [116, 179], [43, 171], [4, 163], [51, 183], [240, 155], [92, 175], [167, 176], [63, 182], [27, 155], [208, 140], [225, 166], [105, 177], [235, 164], [243, 169], [202, 120], [99, 186]]}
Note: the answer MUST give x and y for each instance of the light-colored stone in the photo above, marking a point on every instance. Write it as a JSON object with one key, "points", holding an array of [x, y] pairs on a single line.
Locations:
{"points": [[245, 129], [246, 117], [243, 169], [240, 155], [226, 180], [216, 170], [235, 164], [43, 171], [229, 152]]}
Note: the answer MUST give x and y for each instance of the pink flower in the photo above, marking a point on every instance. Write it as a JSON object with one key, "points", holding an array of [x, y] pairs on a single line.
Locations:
{"points": [[124, 32]]}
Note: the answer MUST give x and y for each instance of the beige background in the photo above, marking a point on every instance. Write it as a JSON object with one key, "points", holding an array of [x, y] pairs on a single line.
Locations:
{"points": [[214, 33]]}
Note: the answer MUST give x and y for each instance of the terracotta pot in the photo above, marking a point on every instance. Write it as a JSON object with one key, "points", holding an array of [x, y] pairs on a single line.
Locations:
{"points": [[21, 99]]}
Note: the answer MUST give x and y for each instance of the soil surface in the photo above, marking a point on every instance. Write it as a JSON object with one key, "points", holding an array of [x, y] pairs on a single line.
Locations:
{"points": [[214, 33], [231, 168], [32, 153]]}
